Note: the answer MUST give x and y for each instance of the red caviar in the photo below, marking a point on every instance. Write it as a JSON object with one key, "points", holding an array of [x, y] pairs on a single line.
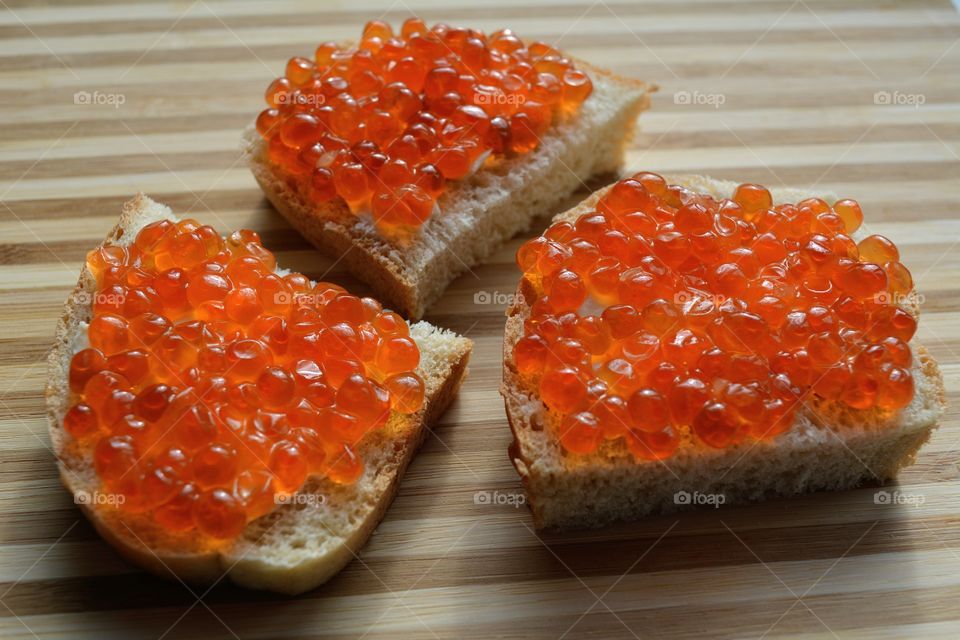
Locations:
{"points": [[213, 384], [384, 125], [665, 308]]}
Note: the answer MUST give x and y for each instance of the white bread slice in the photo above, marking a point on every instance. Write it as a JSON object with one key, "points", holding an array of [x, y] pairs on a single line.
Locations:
{"points": [[477, 214], [828, 447], [297, 546]]}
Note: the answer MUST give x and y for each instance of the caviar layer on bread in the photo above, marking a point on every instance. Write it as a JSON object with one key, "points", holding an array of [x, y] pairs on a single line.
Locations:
{"points": [[664, 308], [384, 125], [212, 386]]}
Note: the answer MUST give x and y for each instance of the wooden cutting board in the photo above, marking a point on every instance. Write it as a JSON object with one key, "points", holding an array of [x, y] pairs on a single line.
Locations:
{"points": [[102, 99]]}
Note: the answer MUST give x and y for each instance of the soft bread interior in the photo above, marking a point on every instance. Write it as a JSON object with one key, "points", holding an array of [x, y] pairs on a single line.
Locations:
{"points": [[300, 544], [477, 214], [828, 447]]}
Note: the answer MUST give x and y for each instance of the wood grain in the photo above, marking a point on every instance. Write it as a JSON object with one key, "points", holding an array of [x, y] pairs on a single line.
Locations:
{"points": [[797, 84]]}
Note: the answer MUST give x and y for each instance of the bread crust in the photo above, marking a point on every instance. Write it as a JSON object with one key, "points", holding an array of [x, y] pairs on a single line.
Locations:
{"points": [[566, 492], [260, 558], [412, 274]]}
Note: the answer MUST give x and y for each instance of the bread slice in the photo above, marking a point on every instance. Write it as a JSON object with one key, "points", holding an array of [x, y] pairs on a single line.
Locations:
{"points": [[828, 447], [477, 214], [301, 543]]}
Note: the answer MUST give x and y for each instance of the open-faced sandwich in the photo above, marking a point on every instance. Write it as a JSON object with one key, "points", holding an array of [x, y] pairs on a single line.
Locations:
{"points": [[699, 337], [412, 156], [214, 414]]}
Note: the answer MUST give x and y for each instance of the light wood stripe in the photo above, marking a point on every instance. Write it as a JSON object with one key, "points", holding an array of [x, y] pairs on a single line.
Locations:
{"points": [[798, 84]]}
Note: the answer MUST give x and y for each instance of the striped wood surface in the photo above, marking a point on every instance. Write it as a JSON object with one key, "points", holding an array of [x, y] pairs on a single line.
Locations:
{"points": [[779, 92]]}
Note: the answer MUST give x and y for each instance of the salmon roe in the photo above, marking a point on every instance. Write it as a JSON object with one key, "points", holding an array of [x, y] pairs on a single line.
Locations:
{"points": [[664, 308], [213, 385], [386, 124]]}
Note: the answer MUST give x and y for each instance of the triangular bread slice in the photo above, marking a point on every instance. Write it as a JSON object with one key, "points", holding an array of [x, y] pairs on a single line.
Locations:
{"points": [[301, 543], [477, 214], [828, 447]]}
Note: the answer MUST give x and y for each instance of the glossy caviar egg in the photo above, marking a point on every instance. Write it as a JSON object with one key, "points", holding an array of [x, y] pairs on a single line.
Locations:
{"points": [[219, 514], [664, 312], [80, 421], [386, 125], [224, 384]]}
